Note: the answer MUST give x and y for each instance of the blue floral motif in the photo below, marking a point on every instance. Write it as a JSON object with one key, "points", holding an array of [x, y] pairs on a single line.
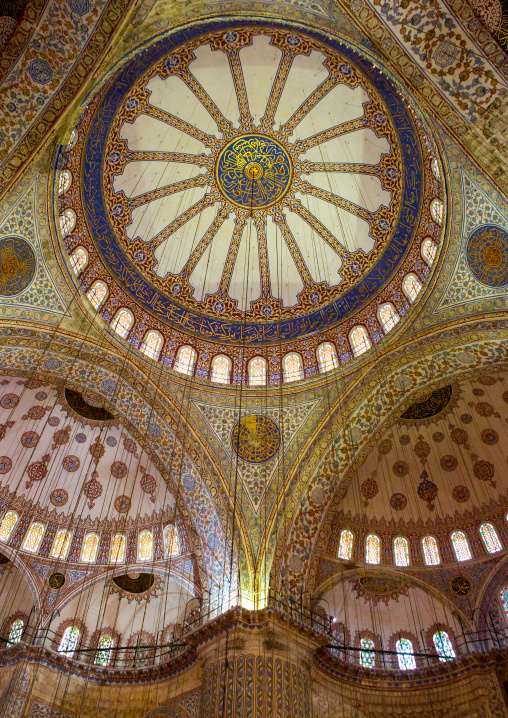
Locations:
{"points": [[40, 71]]}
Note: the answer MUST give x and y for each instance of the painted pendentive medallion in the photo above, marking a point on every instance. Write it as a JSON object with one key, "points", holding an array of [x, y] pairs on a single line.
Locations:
{"points": [[256, 438], [17, 266], [487, 255]]}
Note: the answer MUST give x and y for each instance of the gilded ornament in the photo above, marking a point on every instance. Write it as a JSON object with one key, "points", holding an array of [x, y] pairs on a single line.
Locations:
{"points": [[427, 490], [256, 438], [17, 266]]}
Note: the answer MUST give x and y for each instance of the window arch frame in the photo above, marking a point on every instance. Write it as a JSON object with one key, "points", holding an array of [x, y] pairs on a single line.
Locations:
{"points": [[9, 628], [258, 357], [425, 553], [73, 138], [504, 600], [229, 370], [71, 214], [380, 320], [156, 354], [191, 366], [101, 650], [93, 558], [75, 266], [123, 545], [62, 555], [175, 540], [7, 513], [90, 290], [367, 342], [335, 358], [373, 563], [443, 630], [437, 215], [346, 531], [28, 537], [408, 552], [404, 290], [407, 655], [65, 185], [142, 533], [496, 537], [286, 374], [115, 323], [465, 544], [426, 241], [71, 627]]}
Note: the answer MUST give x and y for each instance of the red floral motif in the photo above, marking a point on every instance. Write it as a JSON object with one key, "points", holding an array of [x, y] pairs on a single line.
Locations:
{"points": [[490, 437], [119, 469], [5, 464], [30, 439], [149, 486], [449, 463], [92, 489], [461, 494], [459, 436], [130, 445], [398, 502], [369, 490], [61, 437], [400, 468], [427, 490], [483, 408], [4, 427], [35, 412], [486, 380], [484, 471], [37, 471], [97, 450], [422, 449], [9, 401], [122, 504], [71, 463], [32, 383], [384, 447], [59, 497]]}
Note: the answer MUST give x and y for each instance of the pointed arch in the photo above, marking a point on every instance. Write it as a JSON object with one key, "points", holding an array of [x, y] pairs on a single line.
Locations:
{"points": [[430, 551], [34, 537], [292, 367], [221, 369], [490, 538], [97, 293], [327, 357], [411, 286], [61, 544], [145, 545], [387, 316], [372, 549], [152, 344], [185, 360], [461, 546], [359, 340], [429, 249], [117, 554], [9, 521], [346, 544], [256, 372], [79, 260], [90, 547], [122, 322], [401, 551]]}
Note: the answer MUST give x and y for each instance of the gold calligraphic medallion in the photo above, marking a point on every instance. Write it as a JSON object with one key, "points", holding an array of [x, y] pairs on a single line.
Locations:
{"points": [[256, 438]]}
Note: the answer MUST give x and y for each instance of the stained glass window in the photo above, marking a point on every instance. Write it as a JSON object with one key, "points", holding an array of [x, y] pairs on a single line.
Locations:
{"points": [[34, 537], [97, 293], [104, 652], [435, 168], [367, 658], [16, 631], [327, 357], [221, 369], [443, 646], [185, 360], [292, 365], [72, 140], [412, 287], [503, 595], [257, 371], [64, 181], [430, 551], [490, 538], [171, 542], [388, 317], [90, 546], [122, 322], [67, 222], [460, 546], [69, 641], [9, 521], [437, 211], [401, 551], [372, 549], [79, 260], [118, 548], [429, 251], [360, 341], [152, 345], [405, 657], [145, 546], [61, 545], [346, 544]]}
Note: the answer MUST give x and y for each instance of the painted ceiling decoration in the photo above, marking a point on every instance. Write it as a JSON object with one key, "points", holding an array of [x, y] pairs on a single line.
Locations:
{"points": [[429, 406], [260, 213], [87, 409]]}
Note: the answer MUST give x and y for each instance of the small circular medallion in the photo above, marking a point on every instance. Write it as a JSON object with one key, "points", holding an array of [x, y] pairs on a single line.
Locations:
{"points": [[56, 581], [256, 438], [17, 265], [254, 172], [461, 586], [487, 255]]}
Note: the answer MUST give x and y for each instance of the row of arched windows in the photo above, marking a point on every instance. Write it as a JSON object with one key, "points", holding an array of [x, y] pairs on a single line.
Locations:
{"points": [[429, 545], [90, 544], [405, 651]]}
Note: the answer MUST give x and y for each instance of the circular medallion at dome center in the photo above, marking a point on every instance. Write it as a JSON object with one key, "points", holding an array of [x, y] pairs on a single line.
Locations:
{"points": [[254, 172]]}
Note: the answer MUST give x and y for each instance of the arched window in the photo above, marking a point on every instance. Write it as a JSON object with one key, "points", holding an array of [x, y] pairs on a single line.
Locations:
{"points": [[221, 369], [437, 211], [411, 287], [62, 543], [429, 250], [346, 545], [503, 595], [367, 657], [90, 546], [64, 181], [257, 372], [152, 345], [104, 652], [79, 260], [435, 168], [72, 140], [443, 646], [460, 546], [145, 546], [405, 656], [69, 641], [34, 537], [97, 293], [327, 357], [122, 322], [430, 551], [292, 367], [401, 551], [372, 549], [67, 222], [118, 549], [387, 316], [490, 538], [9, 521], [359, 340], [16, 631], [185, 360], [171, 542]]}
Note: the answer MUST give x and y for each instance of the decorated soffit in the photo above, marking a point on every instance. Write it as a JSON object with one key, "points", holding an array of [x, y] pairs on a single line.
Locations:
{"points": [[246, 215]]}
